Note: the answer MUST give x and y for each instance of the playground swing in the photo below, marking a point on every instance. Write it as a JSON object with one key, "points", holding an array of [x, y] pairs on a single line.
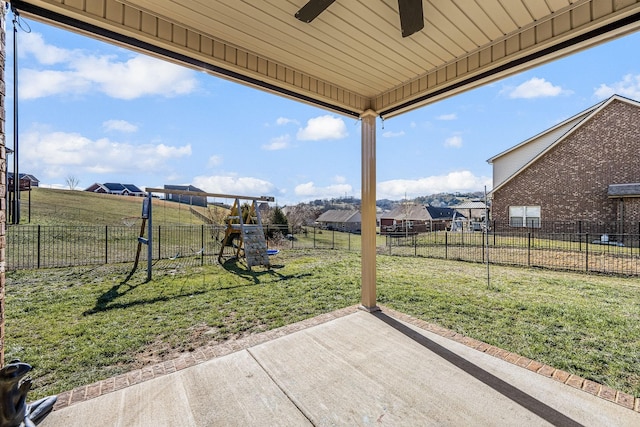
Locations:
{"points": [[244, 233], [130, 221], [243, 224], [146, 208], [183, 248]]}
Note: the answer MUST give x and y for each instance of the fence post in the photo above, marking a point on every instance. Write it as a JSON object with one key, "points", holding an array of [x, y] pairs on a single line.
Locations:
{"points": [[314, 237], [529, 249], [38, 246], [415, 245], [349, 241], [494, 233], [446, 245], [333, 239], [106, 244], [159, 239], [586, 244], [579, 236], [201, 244]]}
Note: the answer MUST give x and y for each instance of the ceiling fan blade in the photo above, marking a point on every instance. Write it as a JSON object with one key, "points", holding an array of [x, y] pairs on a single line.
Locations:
{"points": [[312, 9], [411, 17]]}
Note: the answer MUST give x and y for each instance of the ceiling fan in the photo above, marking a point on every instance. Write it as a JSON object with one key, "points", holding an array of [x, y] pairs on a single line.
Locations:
{"points": [[411, 17]]}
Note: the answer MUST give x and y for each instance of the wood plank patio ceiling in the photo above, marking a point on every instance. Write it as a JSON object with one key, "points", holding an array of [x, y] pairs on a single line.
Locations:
{"points": [[352, 57]]}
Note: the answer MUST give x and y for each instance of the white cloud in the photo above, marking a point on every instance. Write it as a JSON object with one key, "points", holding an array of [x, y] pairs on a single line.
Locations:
{"points": [[54, 153], [214, 161], [451, 116], [454, 141], [390, 134], [78, 73], [119, 125], [461, 181], [339, 179], [629, 86], [234, 185], [46, 54], [309, 191], [281, 121], [535, 88], [39, 84], [323, 127], [278, 143]]}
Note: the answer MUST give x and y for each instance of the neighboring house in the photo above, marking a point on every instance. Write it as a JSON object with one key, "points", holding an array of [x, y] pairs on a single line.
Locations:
{"points": [[116, 188], [24, 177], [473, 210], [584, 169], [341, 220], [186, 199], [416, 218]]}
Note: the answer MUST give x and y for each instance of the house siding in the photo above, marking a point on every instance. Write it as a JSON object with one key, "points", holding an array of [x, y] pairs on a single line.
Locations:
{"points": [[570, 182], [505, 166]]}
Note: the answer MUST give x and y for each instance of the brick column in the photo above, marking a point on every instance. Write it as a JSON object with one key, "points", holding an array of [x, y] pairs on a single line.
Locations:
{"points": [[3, 175]]}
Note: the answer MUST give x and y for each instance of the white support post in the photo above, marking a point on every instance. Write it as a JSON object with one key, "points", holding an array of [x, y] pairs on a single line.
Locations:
{"points": [[368, 208]]}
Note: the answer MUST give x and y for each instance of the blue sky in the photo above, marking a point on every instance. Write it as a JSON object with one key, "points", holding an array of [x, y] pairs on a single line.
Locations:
{"points": [[101, 113]]}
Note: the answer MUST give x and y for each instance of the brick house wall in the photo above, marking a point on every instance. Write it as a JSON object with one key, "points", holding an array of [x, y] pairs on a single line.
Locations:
{"points": [[570, 182], [3, 184], [631, 212]]}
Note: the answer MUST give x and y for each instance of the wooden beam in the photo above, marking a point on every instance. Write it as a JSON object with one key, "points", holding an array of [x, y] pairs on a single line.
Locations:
{"points": [[205, 194]]}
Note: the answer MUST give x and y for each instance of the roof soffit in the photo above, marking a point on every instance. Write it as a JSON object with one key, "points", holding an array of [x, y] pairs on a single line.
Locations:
{"points": [[352, 57]]}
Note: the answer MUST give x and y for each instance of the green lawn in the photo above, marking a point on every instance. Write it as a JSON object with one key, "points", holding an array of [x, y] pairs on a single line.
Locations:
{"points": [[79, 208], [79, 325]]}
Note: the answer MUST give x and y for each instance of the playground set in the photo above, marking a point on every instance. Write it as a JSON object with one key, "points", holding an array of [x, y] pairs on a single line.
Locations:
{"points": [[244, 235]]}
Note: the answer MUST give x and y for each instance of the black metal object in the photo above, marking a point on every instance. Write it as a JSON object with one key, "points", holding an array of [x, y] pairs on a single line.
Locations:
{"points": [[15, 213], [411, 16], [14, 386], [312, 9]]}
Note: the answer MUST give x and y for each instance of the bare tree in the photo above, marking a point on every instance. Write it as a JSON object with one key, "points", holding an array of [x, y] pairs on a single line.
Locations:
{"points": [[301, 215], [72, 181], [217, 216]]}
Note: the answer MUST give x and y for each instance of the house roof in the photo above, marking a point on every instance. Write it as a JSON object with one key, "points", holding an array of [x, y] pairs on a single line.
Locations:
{"points": [[470, 205], [132, 188], [443, 213], [183, 188], [408, 212], [624, 190], [352, 57], [115, 187], [519, 157], [340, 215], [419, 212], [23, 176]]}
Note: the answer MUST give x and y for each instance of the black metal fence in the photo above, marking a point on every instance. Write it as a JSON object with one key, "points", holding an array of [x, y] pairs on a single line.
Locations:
{"points": [[591, 251], [585, 252]]}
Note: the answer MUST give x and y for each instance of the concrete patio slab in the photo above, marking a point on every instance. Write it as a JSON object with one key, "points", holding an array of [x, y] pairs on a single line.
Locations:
{"points": [[360, 369]]}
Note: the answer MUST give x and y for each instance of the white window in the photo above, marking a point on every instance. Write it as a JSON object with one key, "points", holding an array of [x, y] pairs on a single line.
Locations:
{"points": [[524, 216]]}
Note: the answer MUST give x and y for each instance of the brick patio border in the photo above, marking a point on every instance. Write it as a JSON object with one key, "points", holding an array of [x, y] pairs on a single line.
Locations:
{"points": [[203, 354]]}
